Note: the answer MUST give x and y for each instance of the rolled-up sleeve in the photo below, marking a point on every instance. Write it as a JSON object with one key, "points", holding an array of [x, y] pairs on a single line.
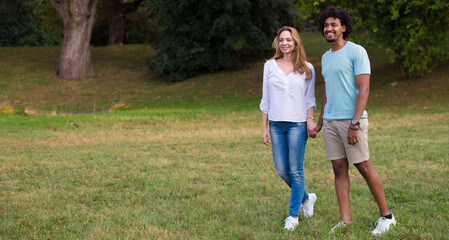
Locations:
{"points": [[310, 90], [264, 103]]}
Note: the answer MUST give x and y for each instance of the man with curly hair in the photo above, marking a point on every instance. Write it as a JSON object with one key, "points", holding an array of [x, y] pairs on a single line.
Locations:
{"points": [[346, 71]]}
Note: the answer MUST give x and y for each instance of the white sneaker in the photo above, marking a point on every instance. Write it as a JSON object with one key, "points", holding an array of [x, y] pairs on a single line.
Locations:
{"points": [[291, 223], [383, 224], [308, 207], [340, 224]]}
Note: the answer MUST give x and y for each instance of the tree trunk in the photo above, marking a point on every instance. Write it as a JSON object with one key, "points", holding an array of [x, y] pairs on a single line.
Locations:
{"points": [[116, 29], [114, 13], [116, 24], [78, 17]]}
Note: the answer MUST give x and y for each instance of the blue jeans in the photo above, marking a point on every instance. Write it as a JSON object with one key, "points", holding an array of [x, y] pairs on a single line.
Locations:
{"points": [[288, 141]]}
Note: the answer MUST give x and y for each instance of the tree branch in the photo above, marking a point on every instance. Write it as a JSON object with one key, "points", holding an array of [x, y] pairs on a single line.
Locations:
{"points": [[62, 9], [93, 9]]}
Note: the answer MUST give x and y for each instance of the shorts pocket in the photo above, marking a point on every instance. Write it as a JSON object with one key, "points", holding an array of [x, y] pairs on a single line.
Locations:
{"points": [[364, 124]]}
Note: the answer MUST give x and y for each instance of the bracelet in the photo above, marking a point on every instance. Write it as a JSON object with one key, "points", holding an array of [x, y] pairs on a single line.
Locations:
{"points": [[310, 117], [354, 129]]}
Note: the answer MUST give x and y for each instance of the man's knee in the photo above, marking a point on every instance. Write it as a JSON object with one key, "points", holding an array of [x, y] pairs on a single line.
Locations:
{"points": [[365, 168]]}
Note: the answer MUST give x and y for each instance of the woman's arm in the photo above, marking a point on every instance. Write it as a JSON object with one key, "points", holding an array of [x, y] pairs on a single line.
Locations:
{"points": [[311, 126], [265, 130]]}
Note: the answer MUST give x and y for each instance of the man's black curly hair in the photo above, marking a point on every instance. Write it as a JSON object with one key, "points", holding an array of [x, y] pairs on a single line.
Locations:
{"points": [[345, 19]]}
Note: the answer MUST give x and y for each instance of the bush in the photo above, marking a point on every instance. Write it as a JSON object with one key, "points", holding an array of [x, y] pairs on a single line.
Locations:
{"points": [[140, 27], [207, 35], [29, 23], [415, 32]]}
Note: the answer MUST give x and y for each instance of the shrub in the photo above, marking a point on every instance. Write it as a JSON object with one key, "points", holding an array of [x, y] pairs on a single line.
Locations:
{"points": [[207, 35], [415, 32], [29, 23]]}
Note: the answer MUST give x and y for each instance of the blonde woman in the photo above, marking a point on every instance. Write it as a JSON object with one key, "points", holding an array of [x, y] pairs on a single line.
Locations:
{"points": [[287, 105]]}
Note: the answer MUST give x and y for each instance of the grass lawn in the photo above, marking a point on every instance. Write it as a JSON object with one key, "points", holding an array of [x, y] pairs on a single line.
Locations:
{"points": [[185, 160]]}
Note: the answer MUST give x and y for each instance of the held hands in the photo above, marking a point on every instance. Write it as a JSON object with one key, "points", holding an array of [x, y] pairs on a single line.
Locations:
{"points": [[311, 128], [266, 136], [319, 126]]}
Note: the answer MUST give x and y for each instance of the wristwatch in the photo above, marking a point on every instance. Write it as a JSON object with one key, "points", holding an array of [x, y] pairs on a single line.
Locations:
{"points": [[355, 122]]}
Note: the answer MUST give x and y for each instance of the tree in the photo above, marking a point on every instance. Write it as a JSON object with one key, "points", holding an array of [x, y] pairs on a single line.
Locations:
{"points": [[415, 32], [78, 17], [113, 12], [29, 23], [208, 34]]}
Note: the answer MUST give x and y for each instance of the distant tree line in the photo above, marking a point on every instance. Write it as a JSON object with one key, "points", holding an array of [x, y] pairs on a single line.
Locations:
{"points": [[209, 35], [414, 32], [37, 23], [192, 36], [29, 23]]}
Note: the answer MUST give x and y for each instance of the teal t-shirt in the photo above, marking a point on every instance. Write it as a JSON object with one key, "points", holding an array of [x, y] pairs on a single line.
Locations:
{"points": [[339, 69]]}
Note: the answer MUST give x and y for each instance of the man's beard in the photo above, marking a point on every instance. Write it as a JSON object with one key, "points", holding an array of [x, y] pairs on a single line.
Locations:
{"points": [[330, 40]]}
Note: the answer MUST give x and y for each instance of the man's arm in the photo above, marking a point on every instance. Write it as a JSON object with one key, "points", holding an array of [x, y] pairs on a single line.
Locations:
{"points": [[362, 82]]}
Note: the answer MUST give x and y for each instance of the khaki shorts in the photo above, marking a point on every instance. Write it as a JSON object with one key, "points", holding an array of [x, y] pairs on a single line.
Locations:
{"points": [[337, 146]]}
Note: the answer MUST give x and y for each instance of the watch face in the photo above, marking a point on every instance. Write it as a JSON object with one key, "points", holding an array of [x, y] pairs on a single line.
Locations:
{"points": [[354, 122]]}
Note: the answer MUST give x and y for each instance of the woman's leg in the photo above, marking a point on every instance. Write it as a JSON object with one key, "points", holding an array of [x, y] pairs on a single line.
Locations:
{"points": [[297, 139], [279, 148]]}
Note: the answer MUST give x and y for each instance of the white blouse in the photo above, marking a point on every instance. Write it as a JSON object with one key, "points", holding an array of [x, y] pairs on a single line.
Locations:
{"points": [[286, 97]]}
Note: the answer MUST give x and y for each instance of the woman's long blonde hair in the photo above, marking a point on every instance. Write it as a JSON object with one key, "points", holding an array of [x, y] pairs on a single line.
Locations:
{"points": [[299, 55]]}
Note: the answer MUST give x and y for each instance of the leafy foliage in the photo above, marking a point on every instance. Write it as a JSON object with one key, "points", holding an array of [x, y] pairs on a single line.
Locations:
{"points": [[139, 28], [208, 34], [415, 31], [309, 10], [29, 23]]}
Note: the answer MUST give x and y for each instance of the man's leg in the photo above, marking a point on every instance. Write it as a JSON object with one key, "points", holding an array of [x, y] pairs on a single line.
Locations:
{"points": [[340, 167], [374, 182]]}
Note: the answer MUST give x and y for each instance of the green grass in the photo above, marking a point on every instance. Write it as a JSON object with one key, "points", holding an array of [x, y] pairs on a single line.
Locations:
{"points": [[185, 160]]}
